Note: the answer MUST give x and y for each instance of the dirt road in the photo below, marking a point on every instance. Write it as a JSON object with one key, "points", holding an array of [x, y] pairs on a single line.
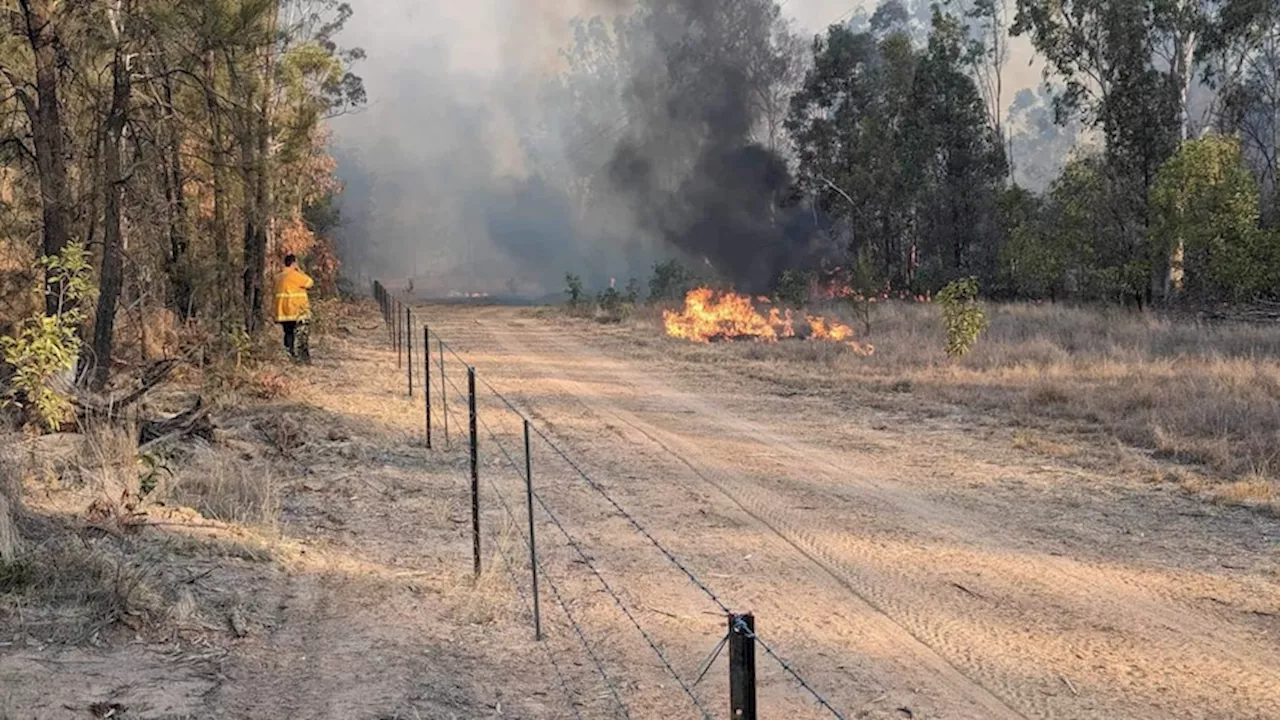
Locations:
{"points": [[907, 563], [906, 567]]}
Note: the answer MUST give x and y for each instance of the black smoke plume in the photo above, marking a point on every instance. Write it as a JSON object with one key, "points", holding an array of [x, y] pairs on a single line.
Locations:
{"points": [[692, 172]]}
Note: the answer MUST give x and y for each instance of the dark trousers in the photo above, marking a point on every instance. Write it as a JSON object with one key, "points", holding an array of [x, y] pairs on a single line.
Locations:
{"points": [[297, 340], [290, 335]]}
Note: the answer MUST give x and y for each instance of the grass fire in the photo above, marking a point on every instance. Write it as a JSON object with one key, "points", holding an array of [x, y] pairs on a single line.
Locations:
{"points": [[709, 316]]}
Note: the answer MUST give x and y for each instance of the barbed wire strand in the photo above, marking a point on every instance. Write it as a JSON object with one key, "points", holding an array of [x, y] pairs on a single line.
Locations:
{"points": [[741, 626], [603, 493], [586, 560], [634, 523], [555, 591], [594, 485], [528, 608]]}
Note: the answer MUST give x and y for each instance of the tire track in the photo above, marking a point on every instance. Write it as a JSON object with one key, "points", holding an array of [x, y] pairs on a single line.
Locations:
{"points": [[762, 506]]}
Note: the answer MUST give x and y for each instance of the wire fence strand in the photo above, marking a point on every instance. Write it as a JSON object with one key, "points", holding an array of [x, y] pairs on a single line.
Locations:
{"points": [[741, 627], [608, 589], [586, 560], [528, 608], [555, 591]]}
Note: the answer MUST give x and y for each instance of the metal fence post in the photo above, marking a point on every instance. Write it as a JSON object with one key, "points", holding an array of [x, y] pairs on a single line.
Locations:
{"points": [[533, 539], [444, 399], [399, 336], [742, 667], [426, 376], [475, 469], [408, 346]]}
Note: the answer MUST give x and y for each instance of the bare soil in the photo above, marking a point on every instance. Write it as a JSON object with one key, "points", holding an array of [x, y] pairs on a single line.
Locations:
{"points": [[911, 558]]}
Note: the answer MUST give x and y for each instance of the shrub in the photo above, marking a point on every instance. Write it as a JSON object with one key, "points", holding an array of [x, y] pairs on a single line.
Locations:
{"points": [[1205, 214], [792, 288], [670, 282], [615, 306], [48, 345], [632, 295], [573, 288], [610, 301], [964, 320]]}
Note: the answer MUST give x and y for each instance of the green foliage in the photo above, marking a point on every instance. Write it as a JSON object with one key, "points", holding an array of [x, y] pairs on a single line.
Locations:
{"points": [[1032, 263], [45, 346], [894, 141], [610, 301], [153, 466], [632, 294], [964, 319], [792, 288], [1206, 202], [671, 281], [613, 305], [573, 288]]}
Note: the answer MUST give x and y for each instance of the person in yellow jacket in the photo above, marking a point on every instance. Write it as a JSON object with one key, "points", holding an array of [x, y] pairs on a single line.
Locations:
{"points": [[293, 309]]}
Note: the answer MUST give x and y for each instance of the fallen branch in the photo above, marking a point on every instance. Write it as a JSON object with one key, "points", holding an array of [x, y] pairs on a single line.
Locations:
{"points": [[193, 421]]}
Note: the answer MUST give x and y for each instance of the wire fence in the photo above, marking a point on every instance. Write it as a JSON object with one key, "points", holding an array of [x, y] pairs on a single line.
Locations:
{"points": [[443, 394]]}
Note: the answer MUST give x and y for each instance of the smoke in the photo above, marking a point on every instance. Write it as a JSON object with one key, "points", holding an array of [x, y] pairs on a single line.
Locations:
{"points": [[508, 142], [694, 173], [439, 170]]}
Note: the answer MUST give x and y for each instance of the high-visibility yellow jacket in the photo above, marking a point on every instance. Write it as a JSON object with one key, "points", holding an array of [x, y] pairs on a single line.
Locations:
{"points": [[292, 303]]}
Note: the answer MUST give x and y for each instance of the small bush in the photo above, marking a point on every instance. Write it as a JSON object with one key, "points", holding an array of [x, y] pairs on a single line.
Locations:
{"points": [[964, 320], [670, 282], [573, 288], [47, 346], [632, 294], [792, 288]]}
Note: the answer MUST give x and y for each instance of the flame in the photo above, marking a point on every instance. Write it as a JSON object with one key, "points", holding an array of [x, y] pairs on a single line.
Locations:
{"points": [[821, 329], [730, 316], [706, 318]]}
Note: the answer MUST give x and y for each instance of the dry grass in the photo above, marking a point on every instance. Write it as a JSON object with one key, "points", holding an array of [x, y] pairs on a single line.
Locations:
{"points": [[84, 563], [222, 487], [10, 504], [1198, 393]]}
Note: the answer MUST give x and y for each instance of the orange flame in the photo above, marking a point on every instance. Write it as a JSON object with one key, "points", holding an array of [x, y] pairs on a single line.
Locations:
{"points": [[730, 316]]}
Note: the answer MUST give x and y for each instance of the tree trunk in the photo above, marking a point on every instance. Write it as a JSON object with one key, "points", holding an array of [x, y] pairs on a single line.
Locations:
{"points": [[177, 264], [1166, 279], [222, 251], [256, 231], [47, 133], [111, 276]]}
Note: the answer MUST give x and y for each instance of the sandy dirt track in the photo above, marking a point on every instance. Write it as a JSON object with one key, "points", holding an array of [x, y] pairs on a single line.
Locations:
{"points": [[920, 568]]}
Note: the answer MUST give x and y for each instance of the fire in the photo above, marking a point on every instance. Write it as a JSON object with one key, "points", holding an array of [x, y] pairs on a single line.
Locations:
{"points": [[823, 330], [706, 318], [730, 316]]}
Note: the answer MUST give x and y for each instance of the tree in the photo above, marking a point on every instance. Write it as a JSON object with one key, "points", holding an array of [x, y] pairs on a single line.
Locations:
{"points": [[110, 277], [163, 120], [896, 143], [848, 124], [1244, 49], [958, 157], [988, 53], [41, 23], [1205, 200], [1105, 52]]}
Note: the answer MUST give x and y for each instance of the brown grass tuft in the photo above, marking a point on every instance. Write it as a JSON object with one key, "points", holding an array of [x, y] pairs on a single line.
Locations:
{"points": [[221, 487]]}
